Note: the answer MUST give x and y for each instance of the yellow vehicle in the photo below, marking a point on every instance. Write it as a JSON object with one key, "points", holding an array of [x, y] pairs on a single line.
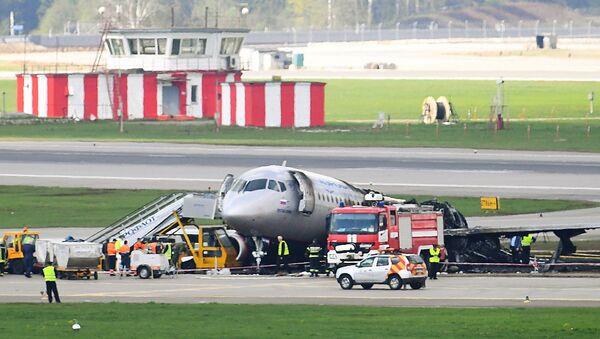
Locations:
{"points": [[12, 241], [209, 246]]}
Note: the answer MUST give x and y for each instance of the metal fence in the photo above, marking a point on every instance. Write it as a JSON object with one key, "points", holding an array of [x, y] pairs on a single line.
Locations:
{"points": [[417, 30]]}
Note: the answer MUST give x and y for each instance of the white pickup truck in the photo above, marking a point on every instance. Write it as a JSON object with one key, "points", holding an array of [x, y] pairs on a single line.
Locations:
{"points": [[394, 270]]}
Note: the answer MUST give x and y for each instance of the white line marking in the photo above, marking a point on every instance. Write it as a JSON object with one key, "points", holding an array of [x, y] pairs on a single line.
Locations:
{"points": [[98, 177]]}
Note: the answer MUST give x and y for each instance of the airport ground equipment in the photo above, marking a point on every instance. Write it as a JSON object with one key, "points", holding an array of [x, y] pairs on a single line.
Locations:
{"points": [[15, 258], [155, 216], [208, 246], [355, 232], [73, 260], [149, 265]]}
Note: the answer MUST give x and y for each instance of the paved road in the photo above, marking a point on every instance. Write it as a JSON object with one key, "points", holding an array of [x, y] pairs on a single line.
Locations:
{"points": [[462, 291], [393, 170]]}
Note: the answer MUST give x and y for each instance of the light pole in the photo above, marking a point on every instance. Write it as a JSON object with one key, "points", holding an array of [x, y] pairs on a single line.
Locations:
{"points": [[591, 100]]}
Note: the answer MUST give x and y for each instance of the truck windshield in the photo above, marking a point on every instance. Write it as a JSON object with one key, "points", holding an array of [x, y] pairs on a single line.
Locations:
{"points": [[351, 223]]}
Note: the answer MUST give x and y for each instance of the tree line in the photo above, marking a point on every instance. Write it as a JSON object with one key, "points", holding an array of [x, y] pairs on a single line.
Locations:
{"points": [[84, 16]]}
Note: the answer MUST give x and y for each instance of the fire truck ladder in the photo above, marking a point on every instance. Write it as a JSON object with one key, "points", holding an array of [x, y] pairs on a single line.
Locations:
{"points": [[137, 216]]}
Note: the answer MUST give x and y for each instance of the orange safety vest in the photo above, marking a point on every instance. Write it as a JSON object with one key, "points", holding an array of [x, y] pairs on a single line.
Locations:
{"points": [[110, 248], [124, 249], [152, 247], [139, 246]]}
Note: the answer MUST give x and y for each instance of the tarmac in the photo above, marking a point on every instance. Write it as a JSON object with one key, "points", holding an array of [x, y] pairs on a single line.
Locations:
{"points": [[447, 291]]}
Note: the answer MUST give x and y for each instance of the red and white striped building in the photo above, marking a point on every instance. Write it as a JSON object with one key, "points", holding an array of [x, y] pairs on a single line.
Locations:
{"points": [[148, 95], [172, 73], [272, 104]]}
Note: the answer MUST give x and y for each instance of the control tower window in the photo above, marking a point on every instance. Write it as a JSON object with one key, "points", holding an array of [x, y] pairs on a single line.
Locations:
{"points": [[148, 46], [162, 45], [190, 46], [255, 185], [133, 46], [230, 46], [117, 46], [175, 46]]}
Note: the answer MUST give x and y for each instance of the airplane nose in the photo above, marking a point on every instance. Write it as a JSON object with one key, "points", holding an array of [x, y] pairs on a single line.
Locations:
{"points": [[236, 214]]}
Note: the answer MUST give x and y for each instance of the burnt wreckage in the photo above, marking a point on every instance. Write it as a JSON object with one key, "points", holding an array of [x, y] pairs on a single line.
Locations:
{"points": [[482, 244]]}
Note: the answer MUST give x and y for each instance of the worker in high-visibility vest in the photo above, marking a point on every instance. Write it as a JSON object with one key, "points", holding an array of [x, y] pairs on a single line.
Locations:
{"points": [[124, 252], [434, 261], [111, 253], [168, 251], [2, 258], [28, 246], [139, 245], [283, 253], [313, 251], [526, 242], [49, 273]]}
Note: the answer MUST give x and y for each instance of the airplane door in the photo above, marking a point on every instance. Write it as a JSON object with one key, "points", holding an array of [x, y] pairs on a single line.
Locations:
{"points": [[307, 199]]}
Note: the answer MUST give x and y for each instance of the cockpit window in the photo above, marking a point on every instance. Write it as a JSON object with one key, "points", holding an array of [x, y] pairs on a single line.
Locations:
{"points": [[238, 184], [282, 185], [273, 185], [255, 185]]}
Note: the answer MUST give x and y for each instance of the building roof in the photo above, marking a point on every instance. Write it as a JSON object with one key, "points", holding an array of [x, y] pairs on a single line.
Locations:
{"points": [[176, 30]]}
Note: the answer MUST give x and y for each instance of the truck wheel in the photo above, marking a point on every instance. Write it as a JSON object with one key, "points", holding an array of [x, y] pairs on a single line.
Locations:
{"points": [[144, 272], [346, 282], [156, 275], [95, 275], [395, 282], [366, 286], [17, 266], [415, 285]]}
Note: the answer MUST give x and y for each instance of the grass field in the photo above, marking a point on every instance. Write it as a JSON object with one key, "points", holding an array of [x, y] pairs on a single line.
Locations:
{"points": [[294, 321], [542, 136], [86, 207], [402, 99], [10, 88]]}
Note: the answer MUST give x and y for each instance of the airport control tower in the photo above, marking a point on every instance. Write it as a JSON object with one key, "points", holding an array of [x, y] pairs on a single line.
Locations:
{"points": [[171, 73]]}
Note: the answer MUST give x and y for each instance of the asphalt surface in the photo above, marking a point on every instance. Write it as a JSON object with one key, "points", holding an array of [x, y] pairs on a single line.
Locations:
{"points": [[453, 291], [409, 171]]}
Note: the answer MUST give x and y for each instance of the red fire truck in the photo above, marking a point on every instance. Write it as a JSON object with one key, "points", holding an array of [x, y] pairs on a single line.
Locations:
{"points": [[355, 232]]}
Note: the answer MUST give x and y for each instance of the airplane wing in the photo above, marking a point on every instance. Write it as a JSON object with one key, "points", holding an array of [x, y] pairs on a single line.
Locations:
{"points": [[520, 230]]}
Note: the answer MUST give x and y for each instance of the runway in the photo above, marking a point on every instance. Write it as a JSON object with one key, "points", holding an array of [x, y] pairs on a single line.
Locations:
{"points": [[452, 291], [408, 171]]}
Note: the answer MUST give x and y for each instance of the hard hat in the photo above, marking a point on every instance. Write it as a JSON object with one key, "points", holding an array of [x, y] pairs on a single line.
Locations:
{"points": [[76, 327]]}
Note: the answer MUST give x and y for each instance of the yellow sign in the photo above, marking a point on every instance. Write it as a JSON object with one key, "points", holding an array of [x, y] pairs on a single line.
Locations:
{"points": [[489, 203]]}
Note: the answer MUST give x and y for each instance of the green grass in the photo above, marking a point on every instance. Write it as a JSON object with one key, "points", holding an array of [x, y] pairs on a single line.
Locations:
{"points": [[294, 321], [402, 99], [469, 206], [68, 207], [572, 136], [362, 99], [10, 88], [87, 207]]}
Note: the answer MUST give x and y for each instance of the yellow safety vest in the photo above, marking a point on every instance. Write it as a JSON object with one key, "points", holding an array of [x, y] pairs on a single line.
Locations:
{"points": [[49, 273], [168, 251], [28, 240], [527, 240], [434, 255], [118, 244], [283, 249]]}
